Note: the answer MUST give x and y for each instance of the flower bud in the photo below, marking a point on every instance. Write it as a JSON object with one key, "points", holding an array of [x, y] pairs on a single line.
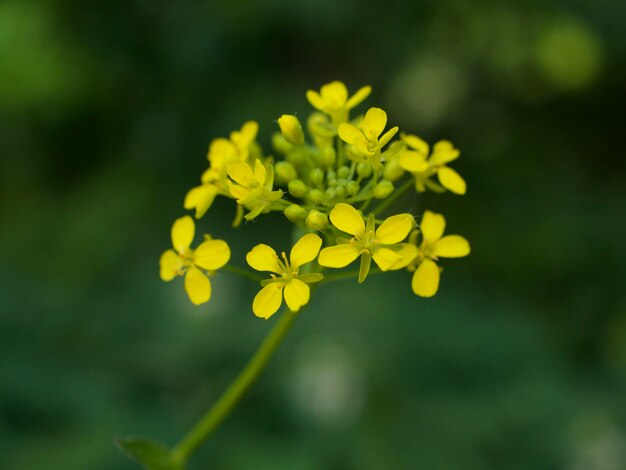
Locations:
{"points": [[284, 172], [280, 144], [295, 213], [291, 129], [340, 190], [383, 189], [343, 172], [364, 170], [393, 171], [297, 188], [320, 126], [353, 188], [329, 156], [317, 175], [316, 196], [317, 220], [331, 193]]}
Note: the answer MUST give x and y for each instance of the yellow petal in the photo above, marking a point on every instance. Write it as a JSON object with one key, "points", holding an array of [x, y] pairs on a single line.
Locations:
{"points": [[385, 258], [361, 145], [387, 136], [374, 122], [443, 152], [305, 250], [358, 97], [452, 246], [338, 256], [198, 286], [212, 254], [249, 132], [348, 133], [416, 144], [201, 198], [334, 94], [432, 226], [239, 192], [267, 302], [241, 173], [315, 99], [413, 161], [263, 258], [183, 231], [347, 219], [406, 254], [451, 180], [260, 173], [426, 279], [297, 294], [394, 229], [170, 264]]}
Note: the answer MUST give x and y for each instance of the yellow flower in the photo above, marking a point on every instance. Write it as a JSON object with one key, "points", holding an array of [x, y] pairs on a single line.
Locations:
{"points": [[253, 188], [423, 167], [244, 138], [286, 278], [425, 281], [382, 244], [367, 142], [210, 255], [333, 100]]}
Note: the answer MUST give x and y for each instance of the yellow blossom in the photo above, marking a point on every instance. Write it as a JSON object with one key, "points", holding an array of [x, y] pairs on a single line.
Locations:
{"points": [[209, 256], [286, 278], [253, 188], [333, 100], [382, 244], [367, 141], [434, 245], [417, 161]]}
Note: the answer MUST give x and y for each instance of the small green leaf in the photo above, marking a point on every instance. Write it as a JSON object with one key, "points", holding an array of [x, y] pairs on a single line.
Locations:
{"points": [[148, 453]]}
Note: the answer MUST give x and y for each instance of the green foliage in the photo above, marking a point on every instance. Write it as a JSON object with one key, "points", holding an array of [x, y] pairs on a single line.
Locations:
{"points": [[150, 454]]}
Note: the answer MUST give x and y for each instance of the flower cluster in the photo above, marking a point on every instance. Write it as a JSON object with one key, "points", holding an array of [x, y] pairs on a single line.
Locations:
{"points": [[329, 178]]}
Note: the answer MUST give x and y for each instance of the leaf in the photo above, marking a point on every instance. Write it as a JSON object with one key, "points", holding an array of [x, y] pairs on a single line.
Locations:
{"points": [[148, 453]]}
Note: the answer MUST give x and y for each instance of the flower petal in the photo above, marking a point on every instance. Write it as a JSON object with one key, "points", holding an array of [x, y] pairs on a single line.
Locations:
{"points": [[212, 254], [451, 180], [315, 99], [406, 254], [395, 229], [432, 226], [170, 264], [385, 258], [358, 97], [452, 246], [444, 152], [347, 219], [416, 143], [183, 231], [297, 294], [263, 258], [241, 173], [338, 256], [248, 132], [374, 122], [267, 302], [387, 136], [305, 250], [425, 281], [198, 286], [348, 133], [201, 198], [413, 161], [334, 94], [260, 173]]}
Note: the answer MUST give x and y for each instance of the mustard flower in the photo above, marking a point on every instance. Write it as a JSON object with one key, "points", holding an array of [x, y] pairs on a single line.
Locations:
{"points": [[209, 256], [417, 162], [253, 188], [367, 141], [333, 100], [286, 278], [434, 245], [382, 244]]}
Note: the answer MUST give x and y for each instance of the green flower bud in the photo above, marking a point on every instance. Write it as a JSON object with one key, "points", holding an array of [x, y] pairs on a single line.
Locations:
{"points": [[320, 126], [353, 188], [340, 190], [317, 220], [329, 156], [364, 170], [284, 172], [295, 213], [291, 129], [383, 189], [297, 188], [392, 170], [280, 144], [331, 193], [343, 172], [316, 196], [317, 175]]}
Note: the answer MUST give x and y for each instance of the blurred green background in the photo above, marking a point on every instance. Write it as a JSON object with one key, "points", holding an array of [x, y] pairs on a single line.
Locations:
{"points": [[106, 112]]}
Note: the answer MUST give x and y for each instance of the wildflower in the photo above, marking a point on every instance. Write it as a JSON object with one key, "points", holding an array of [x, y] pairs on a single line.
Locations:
{"points": [[291, 129], [286, 278], [423, 167], [244, 138], [367, 142], [210, 256], [253, 188], [333, 100], [425, 281], [382, 244]]}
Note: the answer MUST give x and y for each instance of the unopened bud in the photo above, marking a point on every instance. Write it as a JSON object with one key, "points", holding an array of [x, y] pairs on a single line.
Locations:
{"points": [[316, 196], [343, 172], [297, 188], [280, 144], [393, 171], [383, 189], [295, 213], [291, 129], [317, 175], [284, 172], [353, 188], [364, 170], [317, 220], [329, 156]]}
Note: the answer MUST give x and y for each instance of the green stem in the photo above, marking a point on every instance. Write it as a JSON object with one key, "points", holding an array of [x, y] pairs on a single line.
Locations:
{"points": [[396, 194], [224, 405], [242, 272], [346, 275]]}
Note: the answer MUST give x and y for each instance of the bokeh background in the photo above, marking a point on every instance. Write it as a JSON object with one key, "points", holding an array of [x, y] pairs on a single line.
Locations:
{"points": [[106, 112]]}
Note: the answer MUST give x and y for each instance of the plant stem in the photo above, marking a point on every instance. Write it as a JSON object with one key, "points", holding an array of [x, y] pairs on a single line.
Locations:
{"points": [[220, 410], [243, 272], [397, 193]]}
